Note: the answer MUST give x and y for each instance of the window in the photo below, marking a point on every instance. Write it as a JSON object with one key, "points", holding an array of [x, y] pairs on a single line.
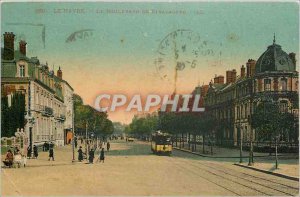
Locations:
{"points": [[283, 106], [267, 83], [283, 84], [275, 85], [242, 111], [22, 71], [259, 84]]}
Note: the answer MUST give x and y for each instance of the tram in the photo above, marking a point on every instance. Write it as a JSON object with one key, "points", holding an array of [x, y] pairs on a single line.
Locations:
{"points": [[161, 143]]}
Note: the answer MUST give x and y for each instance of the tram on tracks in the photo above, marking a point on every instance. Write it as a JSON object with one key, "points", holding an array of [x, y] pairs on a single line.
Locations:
{"points": [[161, 143]]}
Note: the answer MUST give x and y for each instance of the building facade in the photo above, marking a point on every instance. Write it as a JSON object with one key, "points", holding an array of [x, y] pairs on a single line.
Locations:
{"points": [[48, 105], [273, 77]]}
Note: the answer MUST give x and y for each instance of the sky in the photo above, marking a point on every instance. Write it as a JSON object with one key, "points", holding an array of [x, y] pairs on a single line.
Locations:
{"points": [[129, 48]]}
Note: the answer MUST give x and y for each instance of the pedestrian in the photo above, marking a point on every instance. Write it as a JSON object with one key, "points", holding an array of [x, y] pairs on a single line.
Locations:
{"points": [[45, 147], [108, 146], [80, 154], [75, 141], [9, 158], [35, 151], [81, 140], [91, 156], [51, 152], [102, 155], [29, 152]]}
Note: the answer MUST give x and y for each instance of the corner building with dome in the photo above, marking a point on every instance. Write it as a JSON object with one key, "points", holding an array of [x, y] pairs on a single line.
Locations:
{"points": [[273, 78]]}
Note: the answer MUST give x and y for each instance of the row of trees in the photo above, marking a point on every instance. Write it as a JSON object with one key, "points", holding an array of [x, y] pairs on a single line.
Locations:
{"points": [[177, 124], [90, 120], [269, 121], [13, 115]]}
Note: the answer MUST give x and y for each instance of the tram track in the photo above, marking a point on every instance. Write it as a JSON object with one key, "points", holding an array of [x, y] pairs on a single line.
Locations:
{"points": [[258, 191], [238, 178], [256, 177], [180, 167], [227, 175]]}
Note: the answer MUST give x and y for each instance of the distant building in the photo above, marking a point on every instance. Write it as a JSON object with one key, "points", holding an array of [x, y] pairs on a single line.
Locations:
{"points": [[48, 98], [273, 76]]}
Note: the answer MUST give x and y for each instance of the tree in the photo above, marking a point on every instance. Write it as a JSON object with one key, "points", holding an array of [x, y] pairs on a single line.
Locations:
{"points": [[5, 117], [270, 122], [206, 125], [96, 121], [12, 118]]}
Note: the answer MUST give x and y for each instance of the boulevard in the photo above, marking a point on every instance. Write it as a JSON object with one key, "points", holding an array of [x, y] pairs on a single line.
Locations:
{"points": [[131, 169]]}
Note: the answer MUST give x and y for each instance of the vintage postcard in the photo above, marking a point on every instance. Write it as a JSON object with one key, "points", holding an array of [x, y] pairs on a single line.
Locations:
{"points": [[149, 98]]}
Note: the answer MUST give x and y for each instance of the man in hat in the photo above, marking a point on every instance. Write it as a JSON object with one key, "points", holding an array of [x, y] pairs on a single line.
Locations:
{"points": [[35, 151], [51, 151], [80, 154]]}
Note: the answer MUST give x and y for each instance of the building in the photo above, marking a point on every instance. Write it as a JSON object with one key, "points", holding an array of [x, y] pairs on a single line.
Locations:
{"points": [[273, 77], [48, 98], [69, 108]]}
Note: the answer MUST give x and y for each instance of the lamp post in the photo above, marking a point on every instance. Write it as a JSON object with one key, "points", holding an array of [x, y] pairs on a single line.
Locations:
{"points": [[30, 119], [250, 163], [73, 128], [86, 127], [241, 144]]}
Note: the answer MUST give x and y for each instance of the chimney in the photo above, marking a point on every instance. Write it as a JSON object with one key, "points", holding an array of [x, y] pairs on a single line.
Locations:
{"points": [[59, 73], [250, 67], [22, 45], [243, 71], [293, 57], [230, 76], [219, 79], [9, 49]]}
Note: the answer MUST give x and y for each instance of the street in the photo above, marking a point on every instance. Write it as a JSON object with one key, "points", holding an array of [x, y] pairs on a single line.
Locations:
{"points": [[130, 168]]}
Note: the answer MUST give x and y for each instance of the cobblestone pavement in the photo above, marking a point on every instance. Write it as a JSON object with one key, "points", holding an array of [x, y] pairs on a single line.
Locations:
{"points": [[131, 169]]}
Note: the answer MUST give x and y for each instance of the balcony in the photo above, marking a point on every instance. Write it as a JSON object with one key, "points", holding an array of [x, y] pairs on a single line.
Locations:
{"points": [[60, 117], [46, 111]]}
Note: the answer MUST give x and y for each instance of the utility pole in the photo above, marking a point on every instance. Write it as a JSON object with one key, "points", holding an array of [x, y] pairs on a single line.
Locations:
{"points": [[241, 145], [250, 163], [86, 126], [276, 155], [73, 127]]}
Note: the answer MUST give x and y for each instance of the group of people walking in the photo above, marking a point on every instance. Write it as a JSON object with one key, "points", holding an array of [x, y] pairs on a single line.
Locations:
{"points": [[91, 152]]}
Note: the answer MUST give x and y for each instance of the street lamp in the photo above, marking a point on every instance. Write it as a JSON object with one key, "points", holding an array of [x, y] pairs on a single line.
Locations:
{"points": [[241, 143], [31, 122], [86, 127], [73, 128], [250, 163]]}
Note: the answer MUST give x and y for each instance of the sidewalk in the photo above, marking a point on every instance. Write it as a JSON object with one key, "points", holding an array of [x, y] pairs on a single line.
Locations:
{"points": [[220, 152], [288, 163], [289, 171], [62, 156]]}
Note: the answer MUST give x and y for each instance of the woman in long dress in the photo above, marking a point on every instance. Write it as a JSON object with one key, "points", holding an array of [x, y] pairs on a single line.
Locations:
{"points": [[80, 154], [102, 155]]}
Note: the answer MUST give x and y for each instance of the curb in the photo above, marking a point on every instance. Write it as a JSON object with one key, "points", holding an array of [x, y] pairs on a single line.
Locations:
{"points": [[220, 157], [268, 172]]}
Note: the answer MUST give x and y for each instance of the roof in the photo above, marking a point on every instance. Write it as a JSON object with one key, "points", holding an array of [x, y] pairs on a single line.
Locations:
{"points": [[218, 86], [274, 59], [68, 85]]}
